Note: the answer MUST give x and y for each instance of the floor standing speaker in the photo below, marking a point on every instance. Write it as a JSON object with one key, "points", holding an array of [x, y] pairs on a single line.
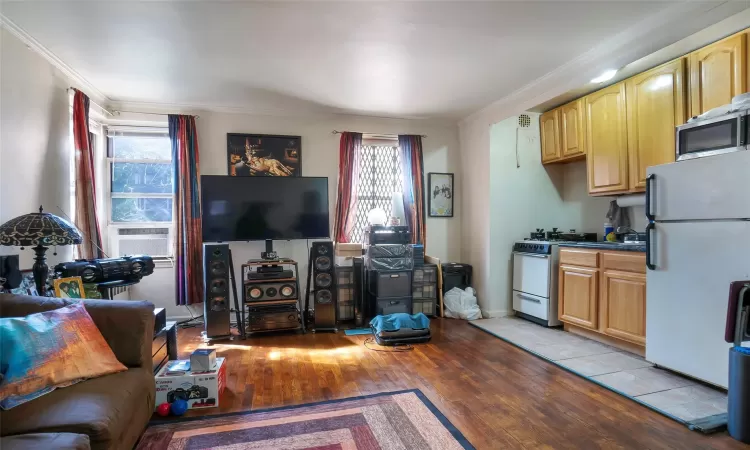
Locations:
{"points": [[216, 305], [324, 285]]}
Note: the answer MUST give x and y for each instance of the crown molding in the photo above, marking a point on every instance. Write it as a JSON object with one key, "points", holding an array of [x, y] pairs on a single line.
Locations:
{"points": [[631, 44], [74, 77], [197, 108]]}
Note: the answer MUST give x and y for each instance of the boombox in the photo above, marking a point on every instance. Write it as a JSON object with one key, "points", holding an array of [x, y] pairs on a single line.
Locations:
{"points": [[261, 291], [127, 268]]}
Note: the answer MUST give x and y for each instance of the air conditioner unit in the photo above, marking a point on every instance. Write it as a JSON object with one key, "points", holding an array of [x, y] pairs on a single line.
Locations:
{"points": [[141, 241]]}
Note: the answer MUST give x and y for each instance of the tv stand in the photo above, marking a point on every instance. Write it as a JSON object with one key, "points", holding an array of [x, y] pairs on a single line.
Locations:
{"points": [[269, 254]]}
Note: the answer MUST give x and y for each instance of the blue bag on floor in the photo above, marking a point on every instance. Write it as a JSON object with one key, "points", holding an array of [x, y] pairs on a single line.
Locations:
{"points": [[401, 328]]}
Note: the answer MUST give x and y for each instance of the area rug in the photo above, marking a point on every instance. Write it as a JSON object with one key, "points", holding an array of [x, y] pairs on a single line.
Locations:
{"points": [[403, 420]]}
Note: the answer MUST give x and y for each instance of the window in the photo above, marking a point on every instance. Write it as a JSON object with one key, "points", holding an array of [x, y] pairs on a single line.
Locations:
{"points": [[140, 212], [379, 178]]}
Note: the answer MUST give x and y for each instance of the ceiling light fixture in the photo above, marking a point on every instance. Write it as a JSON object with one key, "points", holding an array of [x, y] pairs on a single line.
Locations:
{"points": [[606, 76]]}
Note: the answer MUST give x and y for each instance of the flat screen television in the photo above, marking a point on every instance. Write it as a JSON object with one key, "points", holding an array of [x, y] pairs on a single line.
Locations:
{"points": [[260, 208]]}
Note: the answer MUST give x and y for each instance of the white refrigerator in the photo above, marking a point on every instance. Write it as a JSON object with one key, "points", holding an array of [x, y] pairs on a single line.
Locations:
{"points": [[699, 241]]}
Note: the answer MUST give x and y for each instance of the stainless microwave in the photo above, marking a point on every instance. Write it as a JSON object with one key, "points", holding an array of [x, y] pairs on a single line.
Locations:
{"points": [[723, 134]]}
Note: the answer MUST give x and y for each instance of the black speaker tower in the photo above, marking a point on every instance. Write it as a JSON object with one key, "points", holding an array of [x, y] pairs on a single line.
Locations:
{"points": [[321, 269], [217, 267]]}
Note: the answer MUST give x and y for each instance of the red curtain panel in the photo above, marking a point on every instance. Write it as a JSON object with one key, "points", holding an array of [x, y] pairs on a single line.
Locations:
{"points": [[86, 212], [187, 210], [412, 171], [346, 211]]}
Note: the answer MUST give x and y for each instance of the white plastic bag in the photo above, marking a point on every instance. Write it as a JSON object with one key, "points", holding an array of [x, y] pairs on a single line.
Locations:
{"points": [[462, 304]]}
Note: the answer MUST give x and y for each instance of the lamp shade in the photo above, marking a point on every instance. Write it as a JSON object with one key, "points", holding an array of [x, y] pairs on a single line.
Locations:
{"points": [[39, 229]]}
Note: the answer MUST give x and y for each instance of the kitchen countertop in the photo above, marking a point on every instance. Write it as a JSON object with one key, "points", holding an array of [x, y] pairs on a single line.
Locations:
{"points": [[601, 245]]}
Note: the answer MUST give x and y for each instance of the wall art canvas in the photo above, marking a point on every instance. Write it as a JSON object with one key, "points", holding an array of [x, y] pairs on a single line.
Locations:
{"points": [[440, 194], [259, 155], [71, 287]]}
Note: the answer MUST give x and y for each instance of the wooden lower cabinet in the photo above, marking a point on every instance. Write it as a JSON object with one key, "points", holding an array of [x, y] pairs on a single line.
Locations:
{"points": [[623, 305], [609, 298], [577, 299]]}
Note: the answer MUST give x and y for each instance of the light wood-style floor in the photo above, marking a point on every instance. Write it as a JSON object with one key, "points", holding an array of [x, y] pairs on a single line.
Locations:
{"points": [[498, 395]]}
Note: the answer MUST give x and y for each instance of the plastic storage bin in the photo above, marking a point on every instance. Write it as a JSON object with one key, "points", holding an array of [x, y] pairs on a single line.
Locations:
{"points": [[426, 274], [424, 290], [346, 292], [425, 306], [393, 305]]}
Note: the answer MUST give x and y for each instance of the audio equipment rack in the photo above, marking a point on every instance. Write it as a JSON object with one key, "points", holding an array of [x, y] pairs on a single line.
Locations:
{"points": [[263, 311]]}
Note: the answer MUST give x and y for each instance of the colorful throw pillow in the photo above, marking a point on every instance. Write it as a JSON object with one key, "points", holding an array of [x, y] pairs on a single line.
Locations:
{"points": [[49, 350]]}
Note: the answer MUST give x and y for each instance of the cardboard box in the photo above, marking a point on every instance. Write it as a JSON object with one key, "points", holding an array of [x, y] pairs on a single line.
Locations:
{"points": [[200, 390], [203, 360]]}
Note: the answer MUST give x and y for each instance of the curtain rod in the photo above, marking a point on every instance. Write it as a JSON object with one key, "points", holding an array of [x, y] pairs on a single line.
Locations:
{"points": [[118, 111], [376, 134], [93, 102]]}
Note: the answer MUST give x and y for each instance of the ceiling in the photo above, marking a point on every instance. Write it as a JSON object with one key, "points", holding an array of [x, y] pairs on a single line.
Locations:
{"points": [[411, 59]]}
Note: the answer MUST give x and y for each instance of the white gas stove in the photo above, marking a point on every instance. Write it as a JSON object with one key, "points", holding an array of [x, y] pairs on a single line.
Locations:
{"points": [[535, 281]]}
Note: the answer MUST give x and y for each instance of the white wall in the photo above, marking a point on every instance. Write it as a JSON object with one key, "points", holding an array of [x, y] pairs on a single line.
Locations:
{"points": [[320, 151], [528, 197], [34, 140]]}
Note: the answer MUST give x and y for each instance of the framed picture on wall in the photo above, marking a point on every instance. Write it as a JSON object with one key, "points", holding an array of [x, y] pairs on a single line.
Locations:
{"points": [[440, 194], [264, 155]]}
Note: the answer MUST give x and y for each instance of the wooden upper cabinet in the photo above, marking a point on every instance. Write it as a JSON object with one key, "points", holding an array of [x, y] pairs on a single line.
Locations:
{"points": [[623, 305], [577, 296], [606, 140], [656, 105], [718, 72], [572, 126], [550, 128]]}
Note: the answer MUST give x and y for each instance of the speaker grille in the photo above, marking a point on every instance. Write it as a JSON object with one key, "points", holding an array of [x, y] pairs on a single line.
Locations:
{"points": [[218, 286], [271, 292], [218, 304], [323, 296], [323, 280], [322, 263], [322, 249], [255, 292], [287, 290], [218, 268]]}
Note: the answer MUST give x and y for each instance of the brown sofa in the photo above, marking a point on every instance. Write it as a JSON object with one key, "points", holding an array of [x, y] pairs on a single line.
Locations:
{"points": [[108, 412]]}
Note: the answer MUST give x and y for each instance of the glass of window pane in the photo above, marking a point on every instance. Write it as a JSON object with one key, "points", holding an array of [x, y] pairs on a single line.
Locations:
{"points": [[142, 209], [142, 178], [140, 147]]}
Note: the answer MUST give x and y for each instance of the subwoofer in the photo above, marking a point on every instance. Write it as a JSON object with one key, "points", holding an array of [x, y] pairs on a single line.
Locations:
{"points": [[324, 285], [216, 306]]}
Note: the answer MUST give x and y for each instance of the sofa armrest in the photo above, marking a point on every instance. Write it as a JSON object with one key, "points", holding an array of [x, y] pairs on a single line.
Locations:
{"points": [[127, 326]]}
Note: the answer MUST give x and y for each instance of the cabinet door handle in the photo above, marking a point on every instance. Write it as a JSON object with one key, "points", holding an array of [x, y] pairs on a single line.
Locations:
{"points": [[650, 190], [531, 299], [650, 227]]}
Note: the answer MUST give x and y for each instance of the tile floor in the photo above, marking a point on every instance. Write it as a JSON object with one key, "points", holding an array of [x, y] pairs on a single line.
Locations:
{"points": [[625, 372]]}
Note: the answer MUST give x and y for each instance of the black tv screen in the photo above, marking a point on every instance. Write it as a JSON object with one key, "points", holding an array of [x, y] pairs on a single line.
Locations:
{"points": [[259, 208]]}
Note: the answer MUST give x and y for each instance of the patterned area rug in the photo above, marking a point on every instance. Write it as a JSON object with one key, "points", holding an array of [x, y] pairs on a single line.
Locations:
{"points": [[391, 420]]}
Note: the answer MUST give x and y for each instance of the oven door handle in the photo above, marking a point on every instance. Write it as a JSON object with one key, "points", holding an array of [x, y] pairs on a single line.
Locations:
{"points": [[526, 297], [535, 255]]}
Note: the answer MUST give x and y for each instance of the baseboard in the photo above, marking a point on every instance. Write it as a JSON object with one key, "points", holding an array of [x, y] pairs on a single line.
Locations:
{"points": [[489, 314], [604, 339]]}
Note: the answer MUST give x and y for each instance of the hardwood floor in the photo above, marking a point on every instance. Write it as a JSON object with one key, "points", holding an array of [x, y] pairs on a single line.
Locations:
{"points": [[498, 395]]}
